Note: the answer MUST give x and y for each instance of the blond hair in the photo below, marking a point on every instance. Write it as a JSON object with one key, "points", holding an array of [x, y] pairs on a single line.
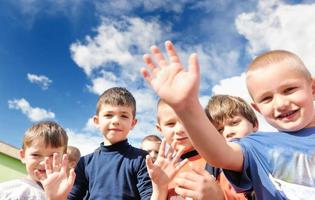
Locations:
{"points": [[281, 58], [152, 138], [48, 132], [223, 107], [73, 153]]}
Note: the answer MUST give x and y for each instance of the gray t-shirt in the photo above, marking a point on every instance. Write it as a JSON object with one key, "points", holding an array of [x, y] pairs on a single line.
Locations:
{"points": [[21, 189]]}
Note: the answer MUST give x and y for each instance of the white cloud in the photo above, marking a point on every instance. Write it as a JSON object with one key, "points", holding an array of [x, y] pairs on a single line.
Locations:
{"points": [[42, 81], [33, 113], [276, 25], [86, 142], [122, 42]]}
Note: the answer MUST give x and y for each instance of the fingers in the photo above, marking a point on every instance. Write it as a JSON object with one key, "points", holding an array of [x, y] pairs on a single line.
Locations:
{"points": [[162, 149], [193, 64], [149, 163], [171, 52], [48, 165], [71, 178], [56, 162], [159, 56]]}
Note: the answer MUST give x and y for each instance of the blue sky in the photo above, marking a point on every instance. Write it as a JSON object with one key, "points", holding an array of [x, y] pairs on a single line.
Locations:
{"points": [[56, 57]]}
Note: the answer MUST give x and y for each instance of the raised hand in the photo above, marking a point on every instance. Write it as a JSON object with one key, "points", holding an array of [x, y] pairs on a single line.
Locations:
{"points": [[170, 80], [198, 184], [166, 166], [56, 183]]}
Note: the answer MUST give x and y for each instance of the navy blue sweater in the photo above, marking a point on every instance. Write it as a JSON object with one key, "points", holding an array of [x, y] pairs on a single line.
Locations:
{"points": [[112, 172]]}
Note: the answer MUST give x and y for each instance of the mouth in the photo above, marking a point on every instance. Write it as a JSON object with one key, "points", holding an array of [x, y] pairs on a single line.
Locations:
{"points": [[181, 139], [288, 115], [115, 129]]}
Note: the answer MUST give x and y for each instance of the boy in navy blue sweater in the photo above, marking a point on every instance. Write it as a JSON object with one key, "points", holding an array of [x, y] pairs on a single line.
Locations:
{"points": [[116, 170]]}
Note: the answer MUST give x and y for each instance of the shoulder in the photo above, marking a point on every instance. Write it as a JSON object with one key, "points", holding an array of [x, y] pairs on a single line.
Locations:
{"points": [[21, 189]]}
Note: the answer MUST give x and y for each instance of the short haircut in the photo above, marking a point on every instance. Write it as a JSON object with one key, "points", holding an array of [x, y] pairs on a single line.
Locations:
{"points": [[48, 132], [73, 154], [116, 96], [223, 107], [153, 138], [280, 57]]}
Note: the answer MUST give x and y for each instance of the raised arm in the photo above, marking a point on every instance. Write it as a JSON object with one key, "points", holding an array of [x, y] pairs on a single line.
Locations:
{"points": [[179, 88]]}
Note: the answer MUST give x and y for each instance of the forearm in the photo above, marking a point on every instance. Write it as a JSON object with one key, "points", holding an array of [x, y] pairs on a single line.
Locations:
{"points": [[205, 138]]}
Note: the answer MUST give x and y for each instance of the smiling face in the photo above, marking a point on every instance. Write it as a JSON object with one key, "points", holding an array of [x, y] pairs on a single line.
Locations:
{"points": [[236, 127], [34, 158], [172, 128], [115, 122], [283, 95]]}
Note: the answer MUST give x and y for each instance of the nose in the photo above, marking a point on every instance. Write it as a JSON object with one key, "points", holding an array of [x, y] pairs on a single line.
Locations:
{"points": [[115, 119], [281, 102], [179, 129], [228, 131]]}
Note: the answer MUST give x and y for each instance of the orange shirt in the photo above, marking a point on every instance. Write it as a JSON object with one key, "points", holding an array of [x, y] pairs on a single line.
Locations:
{"points": [[228, 189], [197, 161]]}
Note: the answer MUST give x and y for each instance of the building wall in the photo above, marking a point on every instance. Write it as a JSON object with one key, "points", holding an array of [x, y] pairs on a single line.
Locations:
{"points": [[11, 168]]}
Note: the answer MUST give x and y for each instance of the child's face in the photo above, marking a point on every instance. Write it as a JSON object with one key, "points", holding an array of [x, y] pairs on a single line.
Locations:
{"points": [[236, 127], [152, 147], [115, 122], [283, 96], [34, 158], [172, 128]]}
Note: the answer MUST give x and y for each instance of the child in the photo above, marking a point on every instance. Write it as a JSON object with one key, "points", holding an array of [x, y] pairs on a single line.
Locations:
{"points": [[151, 144], [74, 155], [275, 165], [234, 119], [201, 183], [116, 170], [231, 116], [43, 145]]}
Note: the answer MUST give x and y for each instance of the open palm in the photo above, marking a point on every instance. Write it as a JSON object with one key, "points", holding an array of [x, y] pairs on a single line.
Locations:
{"points": [[57, 183], [170, 80]]}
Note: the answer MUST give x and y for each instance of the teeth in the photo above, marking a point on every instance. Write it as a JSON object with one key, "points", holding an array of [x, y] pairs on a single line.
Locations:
{"points": [[286, 114]]}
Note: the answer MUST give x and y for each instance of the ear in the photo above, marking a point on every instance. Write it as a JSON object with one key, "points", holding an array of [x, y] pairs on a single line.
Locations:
{"points": [[158, 127], [255, 107], [95, 120], [255, 128], [313, 88], [134, 122], [22, 155]]}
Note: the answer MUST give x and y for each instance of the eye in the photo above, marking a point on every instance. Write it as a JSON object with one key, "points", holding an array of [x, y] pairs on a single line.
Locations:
{"points": [[170, 124], [220, 130], [125, 116], [35, 155], [107, 115], [235, 123], [266, 99], [289, 90]]}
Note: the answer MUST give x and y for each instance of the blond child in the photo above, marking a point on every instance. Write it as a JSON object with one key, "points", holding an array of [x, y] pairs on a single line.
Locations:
{"points": [[275, 165], [115, 170], [187, 178], [74, 155], [43, 146], [151, 144], [234, 119]]}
